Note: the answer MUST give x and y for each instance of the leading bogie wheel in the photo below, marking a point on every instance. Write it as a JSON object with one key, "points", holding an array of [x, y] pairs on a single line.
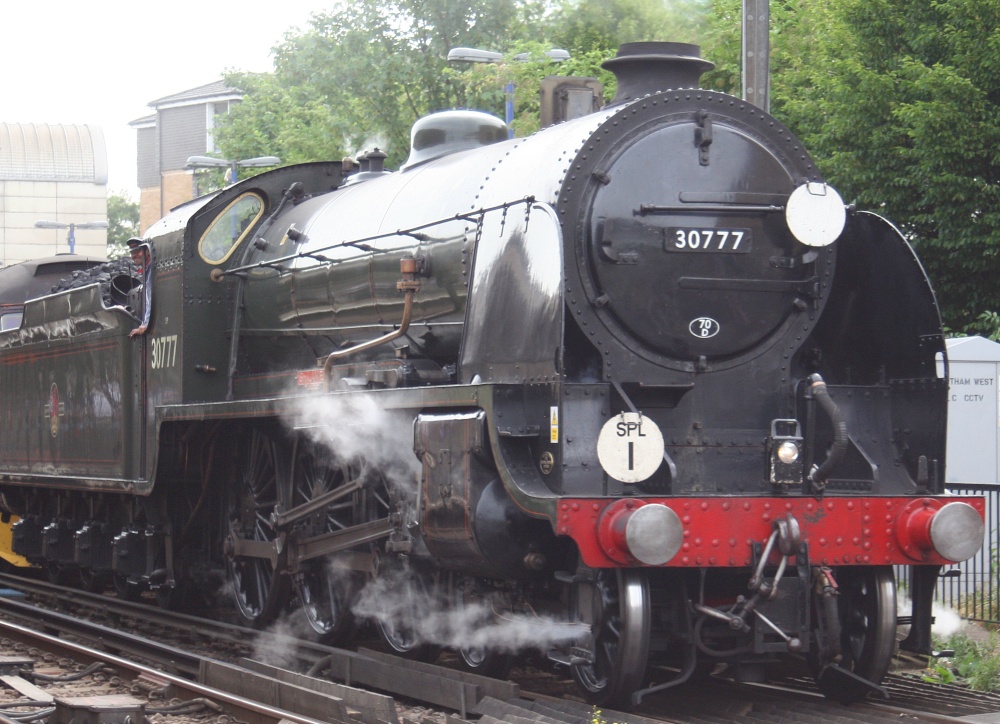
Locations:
{"points": [[486, 661], [400, 617], [479, 614], [866, 612], [620, 636]]}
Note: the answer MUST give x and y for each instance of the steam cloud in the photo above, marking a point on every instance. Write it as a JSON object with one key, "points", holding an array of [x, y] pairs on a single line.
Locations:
{"points": [[355, 428], [395, 600], [946, 620], [280, 647]]}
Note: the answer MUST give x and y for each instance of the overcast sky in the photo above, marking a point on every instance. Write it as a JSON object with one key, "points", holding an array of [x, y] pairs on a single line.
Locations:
{"points": [[101, 62]]}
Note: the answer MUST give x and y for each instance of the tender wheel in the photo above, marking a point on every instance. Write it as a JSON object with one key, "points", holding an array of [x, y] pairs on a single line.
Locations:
{"points": [[866, 612], [324, 592], [169, 598], [60, 575], [259, 590], [93, 582], [620, 629], [125, 590]]}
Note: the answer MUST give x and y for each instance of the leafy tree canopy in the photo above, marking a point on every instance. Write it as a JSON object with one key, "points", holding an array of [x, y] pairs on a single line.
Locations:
{"points": [[123, 222], [364, 71], [588, 25], [483, 85], [897, 101]]}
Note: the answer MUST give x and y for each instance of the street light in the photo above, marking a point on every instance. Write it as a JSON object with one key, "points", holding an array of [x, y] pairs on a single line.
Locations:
{"points": [[71, 234], [556, 55], [194, 162], [476, 55]]}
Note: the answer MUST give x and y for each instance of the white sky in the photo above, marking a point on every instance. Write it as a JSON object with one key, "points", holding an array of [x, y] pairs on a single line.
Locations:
{"points": [[102, 61]]}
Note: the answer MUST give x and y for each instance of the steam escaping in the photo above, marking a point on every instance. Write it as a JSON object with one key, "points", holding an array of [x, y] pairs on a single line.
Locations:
{"points": [[353, 428], [398, 603], [947, 622], [279, 646]]}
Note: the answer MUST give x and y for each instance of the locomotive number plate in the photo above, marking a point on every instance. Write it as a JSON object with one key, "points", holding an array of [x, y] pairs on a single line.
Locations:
{"points": [[727, 241]]}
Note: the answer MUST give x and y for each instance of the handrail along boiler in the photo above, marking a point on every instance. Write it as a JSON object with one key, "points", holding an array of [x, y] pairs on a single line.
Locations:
{"points": [[639, 380]]}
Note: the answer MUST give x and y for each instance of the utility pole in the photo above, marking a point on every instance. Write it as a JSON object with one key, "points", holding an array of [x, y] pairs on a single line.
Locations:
{"points": [[756, 53]]}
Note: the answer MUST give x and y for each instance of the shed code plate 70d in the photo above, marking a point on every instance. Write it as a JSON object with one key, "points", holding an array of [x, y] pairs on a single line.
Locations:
{"points": [[730, 241]]}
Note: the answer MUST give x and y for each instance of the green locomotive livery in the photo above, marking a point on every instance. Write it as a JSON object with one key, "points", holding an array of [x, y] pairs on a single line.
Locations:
{"points": [[640, 384]]}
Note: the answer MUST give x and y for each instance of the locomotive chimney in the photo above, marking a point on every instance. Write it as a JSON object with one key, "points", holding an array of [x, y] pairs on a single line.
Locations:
{"points": [[644, 68]]}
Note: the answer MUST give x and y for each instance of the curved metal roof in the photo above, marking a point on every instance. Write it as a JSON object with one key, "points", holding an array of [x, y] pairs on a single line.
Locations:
{"points": [[53, 152]]}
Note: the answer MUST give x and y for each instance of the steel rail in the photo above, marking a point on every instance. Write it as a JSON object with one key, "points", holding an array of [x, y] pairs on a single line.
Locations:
{"points": [[433, 685], [411, 679], [244, 708], [175, 659], [117, 607]]}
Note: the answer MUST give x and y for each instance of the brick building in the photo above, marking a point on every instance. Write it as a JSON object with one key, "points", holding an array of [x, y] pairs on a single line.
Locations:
{"points": [[51, 173], [181, 126]]}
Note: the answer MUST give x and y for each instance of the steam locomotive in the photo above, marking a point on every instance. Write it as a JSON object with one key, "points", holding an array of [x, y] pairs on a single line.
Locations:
{"points": [[640, 384]]}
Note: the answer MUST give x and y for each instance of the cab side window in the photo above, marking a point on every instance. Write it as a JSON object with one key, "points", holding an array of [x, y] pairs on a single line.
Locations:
{"points": [[229, 228], [10, 320]]}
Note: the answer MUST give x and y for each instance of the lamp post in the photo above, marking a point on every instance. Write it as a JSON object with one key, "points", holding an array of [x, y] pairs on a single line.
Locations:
{"points": [[195, 162], [475, 55], [72, 226]]}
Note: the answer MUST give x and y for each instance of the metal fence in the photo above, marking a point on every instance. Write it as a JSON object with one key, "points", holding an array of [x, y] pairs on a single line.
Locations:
{"points": [[972, 588]]}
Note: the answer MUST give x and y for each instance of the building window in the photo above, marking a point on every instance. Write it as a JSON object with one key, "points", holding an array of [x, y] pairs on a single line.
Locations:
{"points": [[219, 108]]}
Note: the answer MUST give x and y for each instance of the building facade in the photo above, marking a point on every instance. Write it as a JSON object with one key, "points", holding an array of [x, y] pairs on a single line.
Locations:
{"points": [[181, 126], [56, 174]]}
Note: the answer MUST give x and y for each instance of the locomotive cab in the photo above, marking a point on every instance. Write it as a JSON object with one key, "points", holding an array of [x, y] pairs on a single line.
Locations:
{"points": [[197, 298]]}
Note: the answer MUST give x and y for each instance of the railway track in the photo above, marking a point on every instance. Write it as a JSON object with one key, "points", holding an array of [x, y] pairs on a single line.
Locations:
{"points": [[198, 657]]}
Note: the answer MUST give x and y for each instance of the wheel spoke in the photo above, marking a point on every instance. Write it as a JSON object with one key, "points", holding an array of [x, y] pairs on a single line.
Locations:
{"points": [[324, 595], [398, 625], [621, 637], [258, 590]]}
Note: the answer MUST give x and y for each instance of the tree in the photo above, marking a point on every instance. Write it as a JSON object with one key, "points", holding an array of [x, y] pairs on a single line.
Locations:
{"points": [[364, 72], [123, 222], [592, 25], [279, 119], [482, 86], [897, 101]]}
